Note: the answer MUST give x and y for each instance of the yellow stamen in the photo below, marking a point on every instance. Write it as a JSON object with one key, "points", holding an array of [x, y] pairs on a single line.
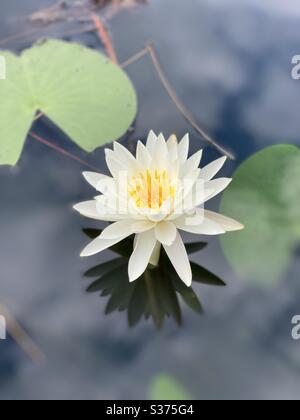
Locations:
{"points": [[151, 188]]}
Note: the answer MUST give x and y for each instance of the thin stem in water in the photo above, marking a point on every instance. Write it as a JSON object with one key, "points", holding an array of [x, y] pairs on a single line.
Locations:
{"points": [[62, 151], [150, 49], [22, 338]]}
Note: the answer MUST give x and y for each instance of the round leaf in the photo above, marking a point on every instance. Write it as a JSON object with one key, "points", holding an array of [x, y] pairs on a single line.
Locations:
{"points": [[79, 89], [165, 387], [265, 197]]}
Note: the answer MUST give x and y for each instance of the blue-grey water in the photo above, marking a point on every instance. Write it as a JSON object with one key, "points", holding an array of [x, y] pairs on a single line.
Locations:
{"points": [[230, 61]]}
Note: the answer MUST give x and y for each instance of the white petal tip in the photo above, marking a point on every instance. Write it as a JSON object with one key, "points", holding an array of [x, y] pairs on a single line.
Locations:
{"points": [[151, 136], [76, 207], [116, 145], [238, 227], [133, 278], [173, 138], [87, 253], [188, 281], [133, 274]]}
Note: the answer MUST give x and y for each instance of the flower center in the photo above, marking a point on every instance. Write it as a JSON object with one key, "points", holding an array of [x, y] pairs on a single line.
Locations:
{"points": [[151, 188]]}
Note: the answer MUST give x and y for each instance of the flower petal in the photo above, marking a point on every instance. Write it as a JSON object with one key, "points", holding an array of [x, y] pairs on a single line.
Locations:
{"points": [[188, 191], [157, 216], [185, 203], [91, 209], [99, 245], [199, 224], [118, 229], [161, 151], [114, 165], [154, 260], [124, 156], [191, 164], [143, 156], [142, 226], [227, 223], [218, 185], [165, 233], [209, 171], [151, 142], [183, 148], [172, 145], [101, 183], [141, 255], [180, 260]]}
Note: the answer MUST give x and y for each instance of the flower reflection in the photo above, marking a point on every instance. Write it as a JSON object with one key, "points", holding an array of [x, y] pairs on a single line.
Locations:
{"points": [[157, 294]]}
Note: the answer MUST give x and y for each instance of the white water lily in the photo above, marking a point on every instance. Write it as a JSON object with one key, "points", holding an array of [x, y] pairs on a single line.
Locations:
{"points": [[154, 196]]}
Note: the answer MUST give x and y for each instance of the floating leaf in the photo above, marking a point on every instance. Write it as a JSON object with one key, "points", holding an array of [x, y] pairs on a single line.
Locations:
{"points": [[188, 295], [165, 387], [194, 247], [79, 89], [156, 304], [201, 275], [119, 300], [109, 280], [138, 303], [123, 248], [104, 268], [265, 196], [168, 293]]}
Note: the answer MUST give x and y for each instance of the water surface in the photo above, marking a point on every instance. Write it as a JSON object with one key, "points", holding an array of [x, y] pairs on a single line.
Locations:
{"points": [[230, 63]]}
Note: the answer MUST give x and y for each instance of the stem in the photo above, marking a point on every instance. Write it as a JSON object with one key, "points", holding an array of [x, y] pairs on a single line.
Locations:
{"points": [[62, 151], [174, 97], [135, 58], [105, 38], [22, 338], [32, 31]]}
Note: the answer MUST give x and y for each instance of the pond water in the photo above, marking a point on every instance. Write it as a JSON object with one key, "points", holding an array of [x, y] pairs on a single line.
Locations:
{"points": [[230, 61]]}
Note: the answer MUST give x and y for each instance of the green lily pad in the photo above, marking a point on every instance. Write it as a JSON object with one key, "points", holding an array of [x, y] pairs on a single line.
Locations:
{"points": [[80, 90], [165, 387], [265, 196]]}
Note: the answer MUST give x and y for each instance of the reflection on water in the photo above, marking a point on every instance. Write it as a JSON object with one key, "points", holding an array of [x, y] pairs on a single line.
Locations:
{"points": [[155, 294], [230, 62]]}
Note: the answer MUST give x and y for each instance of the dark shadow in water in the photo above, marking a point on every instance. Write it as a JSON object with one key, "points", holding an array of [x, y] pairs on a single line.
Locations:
{"points": [[156, 294]]}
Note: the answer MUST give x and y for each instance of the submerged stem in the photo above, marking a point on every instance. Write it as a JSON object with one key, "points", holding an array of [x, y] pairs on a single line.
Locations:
{"points": [[62, 151], [150, 49], [22, 338], [104, 37]]}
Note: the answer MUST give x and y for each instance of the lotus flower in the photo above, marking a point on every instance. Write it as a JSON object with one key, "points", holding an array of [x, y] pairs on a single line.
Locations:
{"points": [[154, 196]]}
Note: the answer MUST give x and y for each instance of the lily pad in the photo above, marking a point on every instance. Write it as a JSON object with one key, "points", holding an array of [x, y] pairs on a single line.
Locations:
{"points": [[80, 90], [165, 387], [265, 196]]}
